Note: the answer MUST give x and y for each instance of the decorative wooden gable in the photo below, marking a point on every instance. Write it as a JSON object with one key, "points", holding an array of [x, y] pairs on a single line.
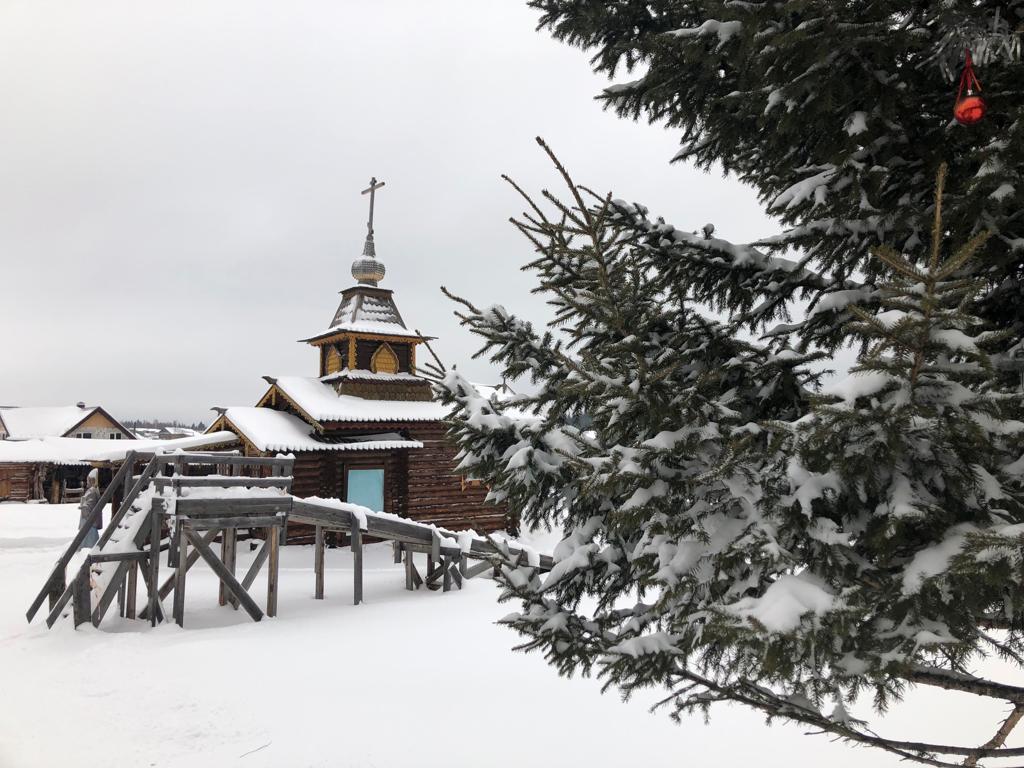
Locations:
{"points": [[384, 360]]}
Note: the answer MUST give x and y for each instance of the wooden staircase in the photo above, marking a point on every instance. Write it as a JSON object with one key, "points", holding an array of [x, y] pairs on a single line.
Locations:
{"points": [[131, 544]]}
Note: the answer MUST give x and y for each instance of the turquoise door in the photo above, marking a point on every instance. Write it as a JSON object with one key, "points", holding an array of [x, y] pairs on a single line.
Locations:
{"points": [[366, 488]]}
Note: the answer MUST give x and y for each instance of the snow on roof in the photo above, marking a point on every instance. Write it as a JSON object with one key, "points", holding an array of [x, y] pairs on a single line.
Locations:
{"points": [[378, 328], [271, 430], [43, 421], [75, 450], [360, 374], [323, 403]]}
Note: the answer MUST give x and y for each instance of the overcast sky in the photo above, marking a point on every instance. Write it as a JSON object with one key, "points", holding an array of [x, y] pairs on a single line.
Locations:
{"points": [[179, 196]]}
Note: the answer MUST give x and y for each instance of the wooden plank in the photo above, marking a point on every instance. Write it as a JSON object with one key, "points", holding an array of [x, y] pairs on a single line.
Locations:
{"points": [[254, 569], [154, 568], [133, 589], [446, 574], [475, 570], [228, 555], [274, 543], [255, 506], [396, 547], [409, 583], [178, 611], [216, 523], [357, 565], [217, 481], [114, 557], [144, 571], [232, 583], [318, 563], [81, 604], [456, 575]]}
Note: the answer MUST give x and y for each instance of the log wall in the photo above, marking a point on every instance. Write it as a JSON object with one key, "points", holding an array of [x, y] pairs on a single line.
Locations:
{"points": [[420, 484]]}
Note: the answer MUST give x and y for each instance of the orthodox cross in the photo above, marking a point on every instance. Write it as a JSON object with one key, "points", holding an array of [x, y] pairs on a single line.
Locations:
{"points": [[372, 191]]}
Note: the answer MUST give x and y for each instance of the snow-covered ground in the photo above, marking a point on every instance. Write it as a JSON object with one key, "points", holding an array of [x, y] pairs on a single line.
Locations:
{"points": [[407, 679]]}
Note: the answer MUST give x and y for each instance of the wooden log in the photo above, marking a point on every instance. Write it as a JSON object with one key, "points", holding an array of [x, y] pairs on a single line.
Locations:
{"points": [[218, 568], [274, 542], [357, 564], [180, 573], [228, 554], [318, 563]]}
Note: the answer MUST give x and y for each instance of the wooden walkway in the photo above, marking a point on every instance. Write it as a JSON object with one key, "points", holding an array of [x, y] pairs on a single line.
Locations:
{"points": [[168, 507]]}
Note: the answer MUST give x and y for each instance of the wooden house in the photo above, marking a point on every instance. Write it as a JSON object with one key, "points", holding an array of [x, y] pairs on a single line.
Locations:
{"points": [[81, 420], [366, 428], [31, 468]]}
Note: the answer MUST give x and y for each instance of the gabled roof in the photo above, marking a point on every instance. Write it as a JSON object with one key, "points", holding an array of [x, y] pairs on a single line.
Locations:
{"points": [[271, 430], [58, 421], [320, 402], [73, 450]]}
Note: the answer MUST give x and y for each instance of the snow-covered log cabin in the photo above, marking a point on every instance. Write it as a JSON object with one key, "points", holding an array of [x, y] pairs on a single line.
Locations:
{"points": [[34, 470], [366, 428]]}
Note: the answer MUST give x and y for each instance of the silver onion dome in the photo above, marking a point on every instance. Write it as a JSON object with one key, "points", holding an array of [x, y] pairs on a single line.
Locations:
{"points": [[366, 269]]}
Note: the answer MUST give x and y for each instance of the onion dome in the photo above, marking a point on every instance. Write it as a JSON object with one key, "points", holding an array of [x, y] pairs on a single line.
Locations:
{"points": [[366, 269]]}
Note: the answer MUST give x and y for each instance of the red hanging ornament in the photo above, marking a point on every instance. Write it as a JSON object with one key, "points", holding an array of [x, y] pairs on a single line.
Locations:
{"points": [[970, 106]]}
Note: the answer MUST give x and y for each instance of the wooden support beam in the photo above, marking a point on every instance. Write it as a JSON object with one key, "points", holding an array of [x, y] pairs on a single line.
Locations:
{"points": [[446, 573], [254, 569], [232, 583], [133, 590], [228, 554], [152, 583], [409, 568], [476, 570], [357, 563], [396, 546], [180, 572], [113, 587], [456, 576], [81, 600], [274, 542], [318, 563], [240, 521], [168, 586]]}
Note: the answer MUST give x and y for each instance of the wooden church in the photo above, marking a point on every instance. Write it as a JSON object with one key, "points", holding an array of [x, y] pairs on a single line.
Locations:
{"points": [[366, 428]]}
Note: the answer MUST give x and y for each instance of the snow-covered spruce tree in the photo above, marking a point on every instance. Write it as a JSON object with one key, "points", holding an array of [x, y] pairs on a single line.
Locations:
{"points": [[731, 536], [838, 114]]}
